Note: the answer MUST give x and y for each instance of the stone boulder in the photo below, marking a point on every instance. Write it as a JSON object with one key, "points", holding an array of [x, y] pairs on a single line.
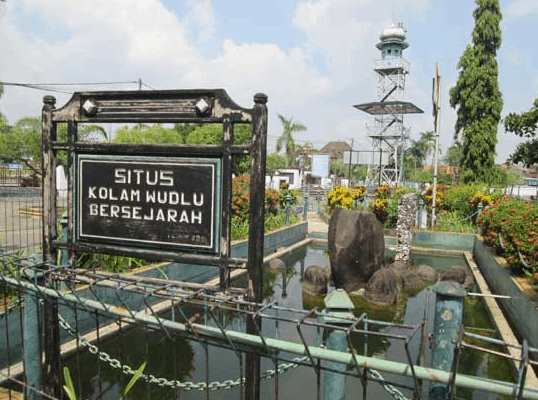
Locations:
{"points": [[427, 273], [411, 280], [315, 280], [276, 264], [456, 274], [382, 288], [417, 278], [356, 248]]}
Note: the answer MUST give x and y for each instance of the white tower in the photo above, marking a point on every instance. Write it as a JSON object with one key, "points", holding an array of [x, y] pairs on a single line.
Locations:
{"points": [[388, 131]]}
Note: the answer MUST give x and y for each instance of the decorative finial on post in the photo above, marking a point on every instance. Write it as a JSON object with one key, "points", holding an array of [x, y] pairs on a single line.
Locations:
{"points": [[260, 98], [49, 101]]}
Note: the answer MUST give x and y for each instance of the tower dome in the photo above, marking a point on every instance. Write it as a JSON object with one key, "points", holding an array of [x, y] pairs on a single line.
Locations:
{"points": [[396, 32], [393, 41]]}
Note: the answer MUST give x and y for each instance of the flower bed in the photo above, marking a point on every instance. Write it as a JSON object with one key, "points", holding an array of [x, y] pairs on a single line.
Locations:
{"points": [[511, 227]]}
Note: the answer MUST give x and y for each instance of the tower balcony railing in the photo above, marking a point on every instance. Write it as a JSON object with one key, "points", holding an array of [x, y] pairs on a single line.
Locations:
{"points": [[391, 65]]}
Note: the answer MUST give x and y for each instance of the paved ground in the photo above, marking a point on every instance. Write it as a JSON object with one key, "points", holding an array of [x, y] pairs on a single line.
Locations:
{"points": [[19, 228], [315, 224]]}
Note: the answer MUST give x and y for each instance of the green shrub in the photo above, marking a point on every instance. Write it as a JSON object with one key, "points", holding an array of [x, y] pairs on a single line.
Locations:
{"points": [[284, 193], [465, 199], [110, 263], [274, 199], [512, 225], [454, 221], [385, 206], [458, 199], [240, 229]]}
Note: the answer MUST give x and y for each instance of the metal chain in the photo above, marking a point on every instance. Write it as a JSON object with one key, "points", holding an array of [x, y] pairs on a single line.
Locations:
{"points": [[126, 369], [387, 386]]}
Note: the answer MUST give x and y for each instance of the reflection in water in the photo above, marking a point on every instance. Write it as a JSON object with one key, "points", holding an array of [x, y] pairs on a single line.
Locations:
{"points": [[170, 358]]}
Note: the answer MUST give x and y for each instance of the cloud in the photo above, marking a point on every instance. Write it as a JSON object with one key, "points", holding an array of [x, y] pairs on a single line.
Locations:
{"points": [[201, 12], [520, 9], [515, 57], [124, 40]]}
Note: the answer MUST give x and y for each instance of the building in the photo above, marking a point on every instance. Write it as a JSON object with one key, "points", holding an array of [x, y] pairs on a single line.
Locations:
{"points": [[336, 150]]}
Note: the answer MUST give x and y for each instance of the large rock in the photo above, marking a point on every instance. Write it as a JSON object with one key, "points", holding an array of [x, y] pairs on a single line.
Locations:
{"points": [[276, 264], [356, 248], [416, 278], [411, 280], [456, 274], [382, 288], [427, 272], [315, 280]]}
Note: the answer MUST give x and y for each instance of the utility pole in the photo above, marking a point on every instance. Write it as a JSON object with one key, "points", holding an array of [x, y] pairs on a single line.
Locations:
{"points": [[436, 97], [349, 171], [140, 88]]}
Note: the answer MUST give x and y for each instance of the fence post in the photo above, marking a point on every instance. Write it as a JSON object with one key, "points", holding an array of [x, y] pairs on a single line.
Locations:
{"points": [[64, 254], [339, 306], [32, 331], [305, 206], [448, 319], [479, 209], [288, 209]]}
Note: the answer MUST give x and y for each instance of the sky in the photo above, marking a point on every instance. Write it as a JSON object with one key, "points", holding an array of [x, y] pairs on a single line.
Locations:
{"points": [[313, 59]]}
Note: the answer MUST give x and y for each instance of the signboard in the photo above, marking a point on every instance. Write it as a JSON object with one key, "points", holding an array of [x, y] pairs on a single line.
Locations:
{"points": [[156, 202], [361, 157], [320, 165]]}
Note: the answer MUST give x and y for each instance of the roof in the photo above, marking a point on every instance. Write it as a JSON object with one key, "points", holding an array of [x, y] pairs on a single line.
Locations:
{"points": [[335, 147], [389, 107]]}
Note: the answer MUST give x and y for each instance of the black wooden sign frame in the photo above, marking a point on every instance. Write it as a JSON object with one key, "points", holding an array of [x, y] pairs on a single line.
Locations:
{"points": [[168, 106], [161, 106]]}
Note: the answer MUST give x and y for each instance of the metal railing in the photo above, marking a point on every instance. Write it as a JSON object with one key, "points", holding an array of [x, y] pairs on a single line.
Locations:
{"points": [[202, 313]]}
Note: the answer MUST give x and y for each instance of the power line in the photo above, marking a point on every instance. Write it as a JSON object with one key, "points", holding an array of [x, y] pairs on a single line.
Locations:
{"points": [[46, 86], [145, 84], [31, 86], [69, 84]]}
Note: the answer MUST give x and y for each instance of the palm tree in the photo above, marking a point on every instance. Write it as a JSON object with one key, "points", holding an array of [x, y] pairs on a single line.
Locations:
{"points": [[1, 93], [287, 137], [427, 140]]}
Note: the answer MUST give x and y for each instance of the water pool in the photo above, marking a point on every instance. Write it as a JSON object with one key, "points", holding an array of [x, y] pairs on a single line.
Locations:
{"points": [[182, 359]]}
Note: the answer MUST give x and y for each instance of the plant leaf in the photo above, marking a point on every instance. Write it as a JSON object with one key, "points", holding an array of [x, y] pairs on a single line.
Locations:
{"points": [[69, 387], [133, 380]]}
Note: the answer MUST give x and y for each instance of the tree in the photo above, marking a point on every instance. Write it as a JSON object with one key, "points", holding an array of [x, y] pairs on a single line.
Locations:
{"points": [[184, 129], [154, 134], [275, 162], [214, 134], [1, 93], [454, 154], [192, 134], [303, 155], [286, 139], [419, 150], [524, 125], [22, 142], [476, 96], [338, 168]]}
